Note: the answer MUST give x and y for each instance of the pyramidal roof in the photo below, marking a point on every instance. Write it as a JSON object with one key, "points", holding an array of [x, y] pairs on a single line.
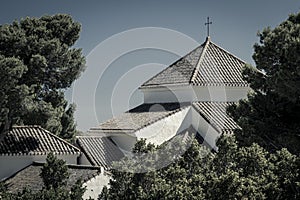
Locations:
{"points": [[207, 65]]}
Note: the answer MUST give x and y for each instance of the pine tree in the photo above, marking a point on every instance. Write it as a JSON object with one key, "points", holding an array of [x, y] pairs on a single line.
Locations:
{"points": [[54, 172], [270, 116], [37, 64], [233, 172]]}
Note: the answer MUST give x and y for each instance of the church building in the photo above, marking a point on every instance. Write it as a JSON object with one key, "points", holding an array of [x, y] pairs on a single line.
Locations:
{"points": [[188, 97], [194, 92]]}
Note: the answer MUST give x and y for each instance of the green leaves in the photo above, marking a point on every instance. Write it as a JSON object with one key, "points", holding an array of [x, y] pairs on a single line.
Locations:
{"points": [[234, 172], [13, 93], [37, 61], [174, 181], [54, 172], [270, 115]]}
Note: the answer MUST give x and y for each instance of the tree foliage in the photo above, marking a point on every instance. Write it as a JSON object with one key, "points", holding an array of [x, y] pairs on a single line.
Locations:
{"points": [[175, 181], [37, 63], [54, 172], [232, 173], [270, 115]]}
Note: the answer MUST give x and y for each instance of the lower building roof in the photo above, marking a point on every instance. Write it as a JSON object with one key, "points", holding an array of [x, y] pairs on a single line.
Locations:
{"points": [[140, 117], [29, 177], [147, 114], [34, 140], [100, 151], [215, 114]]}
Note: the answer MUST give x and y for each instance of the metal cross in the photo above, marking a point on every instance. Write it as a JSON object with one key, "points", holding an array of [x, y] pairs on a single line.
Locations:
{"points": [[208, 23]]}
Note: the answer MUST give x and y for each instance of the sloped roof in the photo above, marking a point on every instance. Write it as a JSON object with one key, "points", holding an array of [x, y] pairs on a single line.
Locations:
{"points": [[215, 114], [207, 65], [100, 151], [30, 177], [140, 117], [34, 140]]}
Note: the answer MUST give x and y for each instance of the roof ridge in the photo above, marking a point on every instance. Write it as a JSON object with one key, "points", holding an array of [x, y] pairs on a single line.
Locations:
{"points": [[185, 105], [15, 173], [62, 140], [90, 136], [26, 126], [206, 43], [176, 61], [181, 106], [74, 166], [214, 102]]}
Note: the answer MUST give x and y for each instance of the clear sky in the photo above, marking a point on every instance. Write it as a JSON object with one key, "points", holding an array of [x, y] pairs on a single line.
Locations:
{"points": [[235, 25]]}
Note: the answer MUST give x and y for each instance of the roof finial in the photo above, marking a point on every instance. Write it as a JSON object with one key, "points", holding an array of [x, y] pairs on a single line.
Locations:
{"points": [[208, 23]]}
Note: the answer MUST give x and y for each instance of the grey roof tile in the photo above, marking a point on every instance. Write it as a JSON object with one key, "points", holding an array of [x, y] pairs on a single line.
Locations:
{"points": [[215, 114], [207, 65], [177, 73], [140, 117], [100, 151], [34, 140], [30, 177]]}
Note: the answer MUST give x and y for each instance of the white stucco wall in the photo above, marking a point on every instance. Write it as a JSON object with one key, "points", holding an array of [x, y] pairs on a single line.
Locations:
{"points": [[156, 133], [163, 130], [194, 93], [83, 160], [95, 185], [11, 164], [209, 134], [124, 141]]}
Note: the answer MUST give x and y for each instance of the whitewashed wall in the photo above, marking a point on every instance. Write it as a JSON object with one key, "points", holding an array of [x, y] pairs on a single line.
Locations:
{"points": [[9, 164], [156, 133], [83, 160], [194, 93], [124, 141], [95, 185], [163, 130]]}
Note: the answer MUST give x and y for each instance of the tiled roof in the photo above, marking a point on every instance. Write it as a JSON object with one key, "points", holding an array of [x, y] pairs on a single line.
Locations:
{"points": [[34, 140], [177, 73], [30, 177], [215, 114], [100, 151], [207, 65], [140, 117]]}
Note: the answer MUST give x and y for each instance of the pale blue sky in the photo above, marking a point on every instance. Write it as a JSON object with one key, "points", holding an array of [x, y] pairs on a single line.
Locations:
{"points": [[235, 24]]}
